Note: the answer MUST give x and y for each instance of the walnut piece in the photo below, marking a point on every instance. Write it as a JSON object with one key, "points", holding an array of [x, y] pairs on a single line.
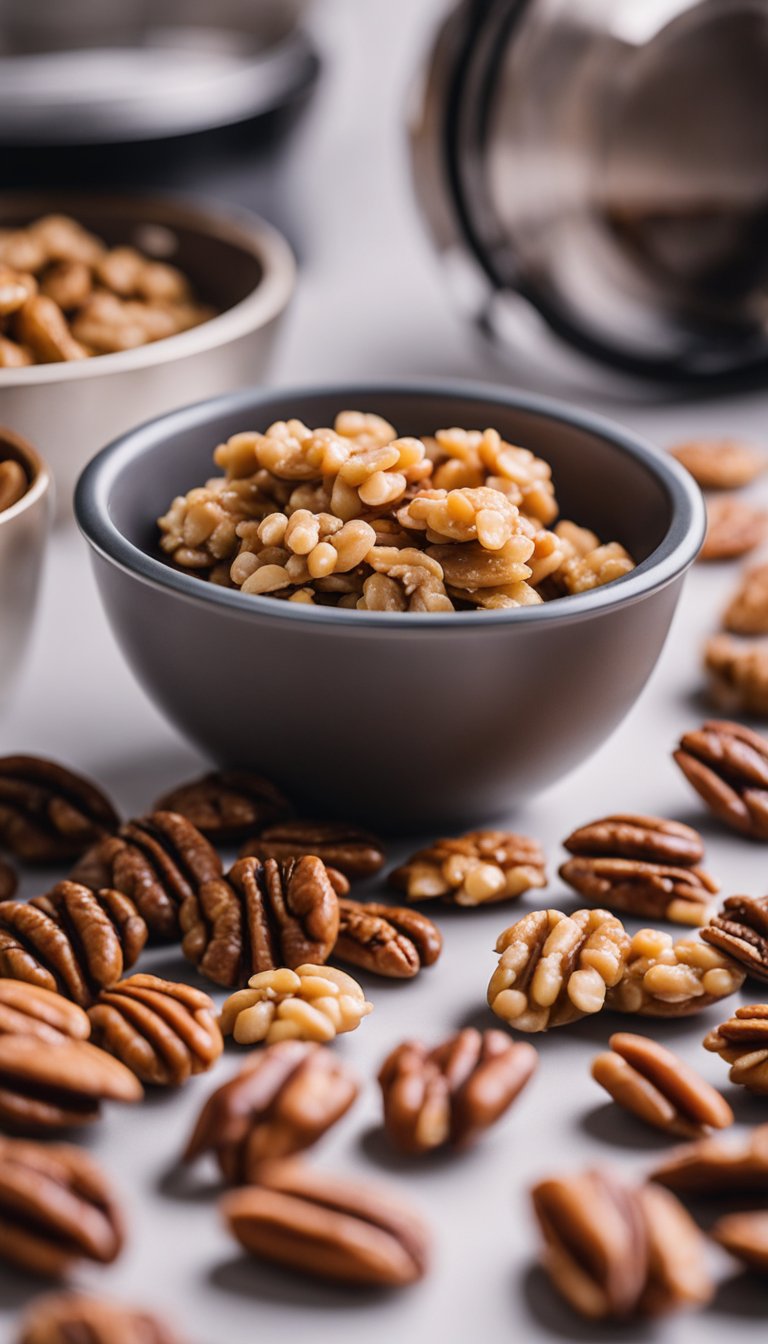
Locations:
{"points": [[727, 765], [353, 852], [474, 869], [711, 1168], [227, 805], [720, 464], [737, 675], [310, 1003], [664, 978]]}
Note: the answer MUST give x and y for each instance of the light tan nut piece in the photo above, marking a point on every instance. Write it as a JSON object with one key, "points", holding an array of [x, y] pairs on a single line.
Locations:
{"points": [[450, 1095], [712, 1168], [664, 978], [742, 1042], [13, 483], [720, 464], [353, 852], [480, 514], [473, 869], [727, 765], [474, 458], [660, 1088], [740, 931], [387, 940], [71, 1317], [28, 1010], [327, 1228], [556, 968], [747, 611], [737, 675], [164, 1032], [745, 1236], [283, 1100], [734, 528], [47, 1086], [310, 1003]]}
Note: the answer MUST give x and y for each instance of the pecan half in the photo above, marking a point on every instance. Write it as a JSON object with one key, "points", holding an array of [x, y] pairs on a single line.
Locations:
{"points": [[52, 1085], [740, 931], [73, 941], [629, 835], [388, 940], [227, 805], [8, 881], [70, 1317], [656, 1085], [734, 527], [355, 853], [720, 464], [163, 1032], [728, 767], [473, 869], [281, 1102], [664, 978], [742, 1042], [330, 1229], [737, 672], [649, 890], [453, 1093], [556, 968], [312, 1003], [713, 1168], [260, 916], [28, 1010], [745, 1236], [48, 813], [159, 861], [747, 611], [56, 1209], [615, 1252]]}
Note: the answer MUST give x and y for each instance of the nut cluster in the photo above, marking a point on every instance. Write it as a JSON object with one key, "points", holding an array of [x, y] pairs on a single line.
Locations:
{"points": [[66, 295], [473, 869], [356, 517]]}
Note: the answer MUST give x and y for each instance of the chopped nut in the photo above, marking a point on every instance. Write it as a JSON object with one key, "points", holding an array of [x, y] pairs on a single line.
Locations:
{"points": [[473, 869], [353, 852], [742, 1042], [745, 1236], [710, 1167], [720, 464], [740, 931], [386, 939], [72, 1317], [310, 1003], [737, 675], [52, 1085], [728, 767], [653, 1083], [48, 813], [227, 805], [734, 527], [163, 1032], [663, 978]]}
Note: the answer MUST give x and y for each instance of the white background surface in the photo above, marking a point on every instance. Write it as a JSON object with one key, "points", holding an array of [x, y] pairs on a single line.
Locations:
{"points": [[371, 303]]}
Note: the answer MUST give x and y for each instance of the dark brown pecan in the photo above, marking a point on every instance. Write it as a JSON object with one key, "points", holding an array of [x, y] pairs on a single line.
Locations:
{"points": [[281, 1102], [227, 805], [162, 1031], [451, 1094], [473, 869], [728, 767], [649, 890], [734, 527], [386, 940], [740, 930], [742, 1042], [27, 1010], [745, 1236], [8, 881], [711, 1167], [355, 853], [159, 861], [71, 1318], [56, 1209], [329, 1229], [260, 916], [48, 813], [47, 1086], [74, 941], [627, 835]]}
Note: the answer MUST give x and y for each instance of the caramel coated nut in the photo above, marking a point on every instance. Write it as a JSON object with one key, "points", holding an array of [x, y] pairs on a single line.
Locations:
{"points": [[310, 1003], [742, 1042], [728, 767], [162, 1031], [47, 813], [711, 1168], [47, 1086], [329, 1229], [56, 1209], [737, 675], [657, 1086], [13, 483], [227, 805], [556, 968], [27, 1010], [747, 611], [355, 853], [745, 1236], [261, 916], [70, 1317], [450, 1095], [473, 869], [720, 464], [73, 941], [664, 978], [740, 931], [734, 528], [283, 1100], [387, 940]]}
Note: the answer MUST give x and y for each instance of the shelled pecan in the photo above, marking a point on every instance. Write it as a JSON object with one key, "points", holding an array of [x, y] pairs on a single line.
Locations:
{"points": [[283, 1100], [163, 1032], [8, 881], [659, 1087], [710, 1167], [556, 968], [742, 1042], [227, 805], [728, 767], [260, 916], [747, 611], [389, 940], [473, 869], [327, 1228], [72, 1318], [73, 940], [720, 464], [158, 861], [56, 1209], [616, 1252], [28, 1010], [745, 1236], [355, 853], [310, 1003], [664, 978], [47, 1086], [737, 675], [734, 527], [450, 1095], [47, 813], [740, 931], [649, 890]]}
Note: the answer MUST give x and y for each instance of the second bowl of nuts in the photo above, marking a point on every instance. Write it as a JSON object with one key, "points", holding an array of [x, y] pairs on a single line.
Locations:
{"points": [[389, 615]]}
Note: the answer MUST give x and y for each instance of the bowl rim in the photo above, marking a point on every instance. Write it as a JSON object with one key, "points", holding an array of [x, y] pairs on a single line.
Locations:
{"points": [[37, 470], [233, 224], [675, 553]]}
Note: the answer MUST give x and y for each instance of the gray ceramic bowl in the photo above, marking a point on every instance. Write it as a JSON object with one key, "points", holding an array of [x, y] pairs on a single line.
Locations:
{"points": [[24, 529], [408, 720]]}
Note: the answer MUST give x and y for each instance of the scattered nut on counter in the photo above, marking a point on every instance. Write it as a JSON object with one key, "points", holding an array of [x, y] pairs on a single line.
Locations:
{"points": [[353, 852], [69, 1317], [162, 1031], [310, 1003], [49, 814], [720, 464], [742, 1042], [713, 1168], [28, 1010], [727, 765], [13, 479], [227, 805], [389, 940], [660, 1088], [747, 611], [478, 868], [51, 1085]]}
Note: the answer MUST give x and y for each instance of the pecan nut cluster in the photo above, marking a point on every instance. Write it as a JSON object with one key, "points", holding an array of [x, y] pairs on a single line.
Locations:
{"points": [[651, 1082], [450, 1095], [68, 1317], [227, 805], [478, 868], [387, 940], [283, 1100], [742, 1042], [728, 767], [65, 295], [353, 516], [310, 1003], [710, 1168], [162, 1031], [740, 930], [664, 978], [49, 1086], [642, 866], [345, 849], [49, 814]]}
